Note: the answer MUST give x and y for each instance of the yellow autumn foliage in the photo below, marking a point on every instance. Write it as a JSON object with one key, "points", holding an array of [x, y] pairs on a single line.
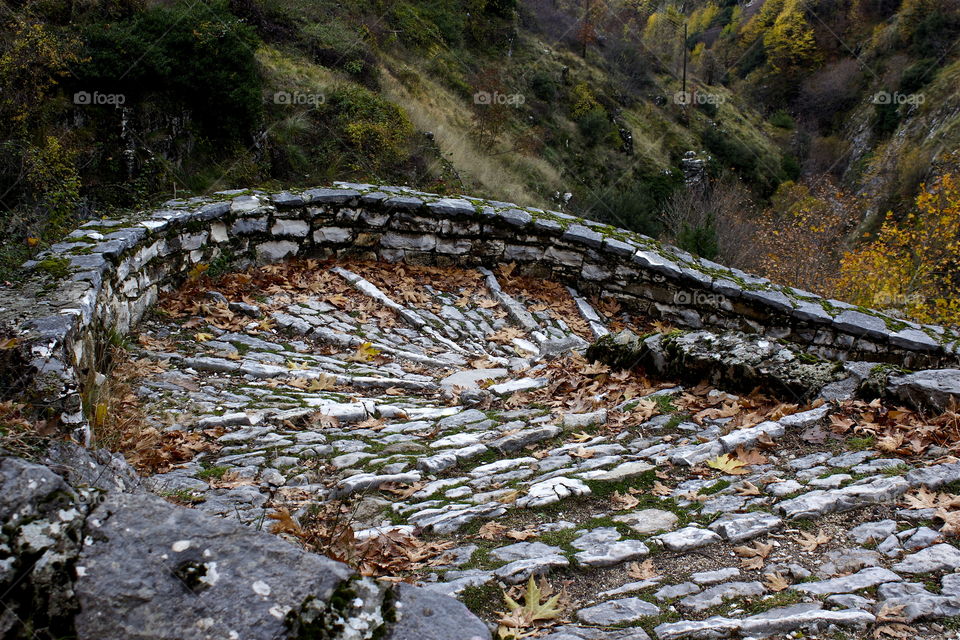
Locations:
{"points": [[914, 263]]}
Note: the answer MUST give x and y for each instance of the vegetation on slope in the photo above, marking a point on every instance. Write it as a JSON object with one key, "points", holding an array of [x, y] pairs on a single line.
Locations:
{"points": [[595, 106]]}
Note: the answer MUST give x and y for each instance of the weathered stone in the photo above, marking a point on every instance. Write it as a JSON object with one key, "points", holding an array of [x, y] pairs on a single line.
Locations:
{"points": [[737, 527], [932, 389], [245, 572], [854, 496], [647, 521], [523, 384], [940, 557], [520, 570], [524, 551], [622, 611], [716, 595], [713, 577], [609, 554], [429, 616], [799, 616], [863, 579], [676, 591], [553, 490], [688, 538], [623, 350]]}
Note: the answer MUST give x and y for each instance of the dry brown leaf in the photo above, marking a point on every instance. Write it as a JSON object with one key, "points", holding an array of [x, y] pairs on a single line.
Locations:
{"points": [[748, 489], [623, 502], [758, 550], [809, 542], [891, 613], [750, 457], [492, 531], [642, 570], [775, 582], [894, 630], [660, 489], [522, 534]]}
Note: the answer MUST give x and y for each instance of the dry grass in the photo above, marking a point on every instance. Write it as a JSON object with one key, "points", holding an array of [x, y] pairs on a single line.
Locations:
{"points": [[118, 422], [431, 107]]}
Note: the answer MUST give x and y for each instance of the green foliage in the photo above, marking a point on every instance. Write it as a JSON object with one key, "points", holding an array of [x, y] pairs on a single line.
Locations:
{"points": [[55, 185], [637, 206], [886, 118], [197, 55], [375, 129], [790, 167], [415, 26], [56, 268], [596, 127], [917, 75], [544, 86], [701, 241], [783, 120]]}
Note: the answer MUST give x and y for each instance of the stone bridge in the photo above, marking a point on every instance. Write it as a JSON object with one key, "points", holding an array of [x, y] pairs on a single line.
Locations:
{"points": [[354, 383]]}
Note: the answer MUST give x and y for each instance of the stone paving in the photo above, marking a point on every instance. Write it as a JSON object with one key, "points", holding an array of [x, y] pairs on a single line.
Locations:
{"points": [[312, 402]]}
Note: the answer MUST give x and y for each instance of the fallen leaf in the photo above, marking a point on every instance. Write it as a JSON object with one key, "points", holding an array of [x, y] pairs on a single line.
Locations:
{"points": [[775, 582], [532, 610], [891, 613], [809, 542], [660, 489], [522, 534], [894, 630], [727, 464], [492, 531], [750, 457], [951, 521], [364, 353], [623, 502], [748, 489], [642, 570]]}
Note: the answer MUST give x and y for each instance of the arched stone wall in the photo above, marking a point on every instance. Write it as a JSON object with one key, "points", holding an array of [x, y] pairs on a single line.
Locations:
{"points": [[103, 277]]}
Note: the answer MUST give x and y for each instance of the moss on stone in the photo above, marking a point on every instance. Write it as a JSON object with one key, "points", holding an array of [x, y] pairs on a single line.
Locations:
{"points": [[55, 267]]}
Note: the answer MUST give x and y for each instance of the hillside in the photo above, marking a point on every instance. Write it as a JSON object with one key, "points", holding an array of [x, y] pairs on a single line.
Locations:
{"points": [[778, 148]]}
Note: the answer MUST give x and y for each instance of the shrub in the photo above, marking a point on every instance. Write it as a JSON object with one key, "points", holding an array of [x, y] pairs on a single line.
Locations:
{"points": [[374, 128], [637, 207], [701, 241], [596, 127], [783, 120], [886, 118], [917, 75], [544, 86], [415, 28], [55, 184]]}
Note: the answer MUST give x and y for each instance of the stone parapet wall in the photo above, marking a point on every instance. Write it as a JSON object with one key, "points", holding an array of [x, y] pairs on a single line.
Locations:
{"points": [[102, 278]]}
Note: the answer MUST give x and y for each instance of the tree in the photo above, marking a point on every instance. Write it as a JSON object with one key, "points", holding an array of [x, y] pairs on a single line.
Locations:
{"points": [[790, 44], [913, 264], [802, 235], [587, 30]]}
